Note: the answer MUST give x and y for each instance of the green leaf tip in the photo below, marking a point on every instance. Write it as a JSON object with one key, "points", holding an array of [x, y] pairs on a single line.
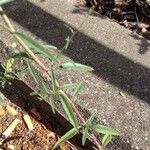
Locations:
{"points": [[34, 45], [76, 67], [105, 130], [66, 137]]}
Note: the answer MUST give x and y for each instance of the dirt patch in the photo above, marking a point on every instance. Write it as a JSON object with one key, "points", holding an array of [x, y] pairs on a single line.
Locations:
{"points": [[40, 138]]}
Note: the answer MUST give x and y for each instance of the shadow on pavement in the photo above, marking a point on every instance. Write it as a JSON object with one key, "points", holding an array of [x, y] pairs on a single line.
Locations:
{"points": [[19, 93], [143, 44], [143, 39]]}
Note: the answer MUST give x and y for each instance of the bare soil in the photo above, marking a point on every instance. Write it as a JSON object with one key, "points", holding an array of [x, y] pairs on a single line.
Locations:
{"points": [[40, 138]]}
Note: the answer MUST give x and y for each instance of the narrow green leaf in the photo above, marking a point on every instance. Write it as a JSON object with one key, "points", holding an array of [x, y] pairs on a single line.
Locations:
{"points": [[68, 40], [71, 85], [2, 2], [50, 47], [47, 92], [51, 100], [76, 66], [89, 121], [34, 94], [21, 55], [2, 99], [104, 129], [66, 137], [53, 78], [35, 45], [78, 89], [68, 110], [45, 87], [9, 64], [106, 139], [70, 28], [9, 75], [85, 135], [32, 72]]}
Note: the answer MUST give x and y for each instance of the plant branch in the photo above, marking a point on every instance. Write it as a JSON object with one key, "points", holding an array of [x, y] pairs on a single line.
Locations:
{"points": [[36, 59], [5, 18]]}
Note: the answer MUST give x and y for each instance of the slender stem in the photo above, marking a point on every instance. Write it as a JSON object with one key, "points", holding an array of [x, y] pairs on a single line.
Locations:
{"points": [[74, 33], [21, 42], [5, 18]]}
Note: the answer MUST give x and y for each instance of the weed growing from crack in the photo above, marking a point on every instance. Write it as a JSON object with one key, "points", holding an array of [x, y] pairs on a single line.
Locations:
{"points": [[51, 89]]}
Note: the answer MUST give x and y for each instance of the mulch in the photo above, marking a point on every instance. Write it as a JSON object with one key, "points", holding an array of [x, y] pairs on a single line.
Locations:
{"points": [[41, 137], [133, 14]]}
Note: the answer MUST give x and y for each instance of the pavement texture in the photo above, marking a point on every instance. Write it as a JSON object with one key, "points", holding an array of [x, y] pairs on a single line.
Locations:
{"points": [[119, 87]]}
